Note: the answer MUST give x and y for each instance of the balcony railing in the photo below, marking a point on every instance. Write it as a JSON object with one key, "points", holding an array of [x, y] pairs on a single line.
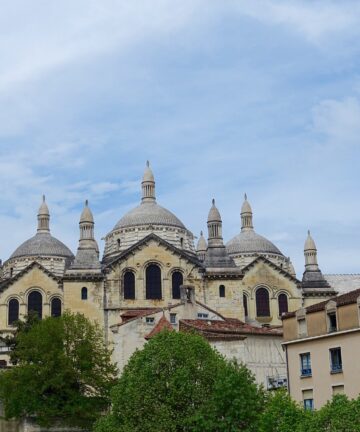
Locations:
{"points": [[336, 368], [306, 372]]}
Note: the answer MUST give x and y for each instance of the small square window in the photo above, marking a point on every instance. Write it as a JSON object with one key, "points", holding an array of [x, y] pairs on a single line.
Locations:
{"points": [[202, 315], [308, 399], [335, 360], [338, 389], [173, 318], [149, 320]]}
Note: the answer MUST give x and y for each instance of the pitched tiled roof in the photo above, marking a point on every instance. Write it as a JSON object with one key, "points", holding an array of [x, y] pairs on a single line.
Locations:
{"points": [[340, 300], [231, 328], [161, 325]]}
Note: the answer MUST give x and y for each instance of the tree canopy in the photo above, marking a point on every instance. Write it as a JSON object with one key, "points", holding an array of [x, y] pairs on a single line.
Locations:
{"points": [[174, 382], [63, 372]]}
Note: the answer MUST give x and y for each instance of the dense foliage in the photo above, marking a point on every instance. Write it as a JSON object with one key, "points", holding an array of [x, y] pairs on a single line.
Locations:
{"points": [[63, 372], [179, 383]]}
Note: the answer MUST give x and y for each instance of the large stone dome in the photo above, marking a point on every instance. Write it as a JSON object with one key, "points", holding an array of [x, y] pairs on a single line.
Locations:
{"points": [[42, 244], [147, 218], [149, 213], [251, 242]]}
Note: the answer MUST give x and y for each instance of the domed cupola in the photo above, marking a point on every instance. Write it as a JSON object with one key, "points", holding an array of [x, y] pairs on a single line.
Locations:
{"points": [[148, 217], [247, 245], [201, 247], [43, 248]]}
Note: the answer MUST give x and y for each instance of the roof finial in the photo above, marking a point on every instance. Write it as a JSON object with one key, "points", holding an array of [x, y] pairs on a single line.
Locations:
{"points": [[201, 233], [43, 198], [245, 196], [147, 163], [86, 203], [213, 201], [308, 232]]}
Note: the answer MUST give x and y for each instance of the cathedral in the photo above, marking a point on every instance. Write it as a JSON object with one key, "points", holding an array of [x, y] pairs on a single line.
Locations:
{"points": [[151, 276]]}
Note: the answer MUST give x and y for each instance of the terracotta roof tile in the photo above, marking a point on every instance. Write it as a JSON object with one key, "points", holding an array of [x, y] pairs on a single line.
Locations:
{"points": [[161, 325], [231, 328]]}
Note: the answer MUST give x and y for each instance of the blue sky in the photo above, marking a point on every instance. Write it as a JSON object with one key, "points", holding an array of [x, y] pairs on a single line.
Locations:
{"points": [[222, 97]]}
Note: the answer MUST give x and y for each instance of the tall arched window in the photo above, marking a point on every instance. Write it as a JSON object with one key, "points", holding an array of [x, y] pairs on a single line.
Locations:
{"points": [[129, 285], [55, 307], [13, 311], [153, 282], [283, 304], [84, 293], [245, 302], [222, 291], [35, 303], [177, 280], [262, 303]]}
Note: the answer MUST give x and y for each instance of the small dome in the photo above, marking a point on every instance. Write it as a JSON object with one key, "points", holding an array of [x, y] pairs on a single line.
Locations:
{"points": [[86, 215], [309, 243], [42, 244], [148, 174], [149, 213], [246, 208], [201, 245], [214, 214], [251, 242]]}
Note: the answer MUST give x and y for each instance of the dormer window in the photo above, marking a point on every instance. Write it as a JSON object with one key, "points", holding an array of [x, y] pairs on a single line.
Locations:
{"points": [[331, 316], [332, 323]]}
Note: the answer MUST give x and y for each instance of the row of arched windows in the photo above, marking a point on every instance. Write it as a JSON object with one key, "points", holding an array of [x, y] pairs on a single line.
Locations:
{"points": [[35, 304], [153, 285], [263, 303]]}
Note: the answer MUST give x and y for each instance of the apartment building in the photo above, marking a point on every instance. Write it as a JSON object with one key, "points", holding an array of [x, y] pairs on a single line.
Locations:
{"points": [[322, 346]]}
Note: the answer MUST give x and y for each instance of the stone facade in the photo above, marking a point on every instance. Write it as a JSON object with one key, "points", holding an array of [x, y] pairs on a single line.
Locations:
{"points": [[149, 258]]}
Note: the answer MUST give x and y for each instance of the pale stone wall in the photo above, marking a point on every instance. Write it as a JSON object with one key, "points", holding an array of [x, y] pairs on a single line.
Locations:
{"points": [[34, 279], [262, 275], [130, 236], [55, 265], [232, 304], [263, 355]]}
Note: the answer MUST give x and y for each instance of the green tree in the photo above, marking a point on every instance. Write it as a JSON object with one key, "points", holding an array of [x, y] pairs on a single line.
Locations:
{"points": [[340, 415], [63, 372], [167, 386], [283, 414], [235, 403]]}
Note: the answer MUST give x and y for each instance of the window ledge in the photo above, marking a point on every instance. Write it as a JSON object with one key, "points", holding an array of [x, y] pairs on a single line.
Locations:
{"points": [[306, 376], [334, 372]]}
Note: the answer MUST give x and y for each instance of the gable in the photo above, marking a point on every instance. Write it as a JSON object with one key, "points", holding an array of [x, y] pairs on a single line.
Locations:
{"points": [[154, 250], [34, 276], [263, 272]]}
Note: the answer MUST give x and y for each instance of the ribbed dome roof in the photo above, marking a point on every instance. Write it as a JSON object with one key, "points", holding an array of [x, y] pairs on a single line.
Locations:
{"points": [[42, 244], [201, 245], [248, 241], [149, 213]]}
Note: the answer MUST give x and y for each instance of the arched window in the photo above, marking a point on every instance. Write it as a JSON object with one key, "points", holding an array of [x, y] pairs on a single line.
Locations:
{"points": [[153, 282], [84, 293], [181, 242], [283, 304], [222, 291], [55, 307], [13, 311], [262, 303], [118, 244], [129, 285], [177, 280], [35, 303], [245, 303]]}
